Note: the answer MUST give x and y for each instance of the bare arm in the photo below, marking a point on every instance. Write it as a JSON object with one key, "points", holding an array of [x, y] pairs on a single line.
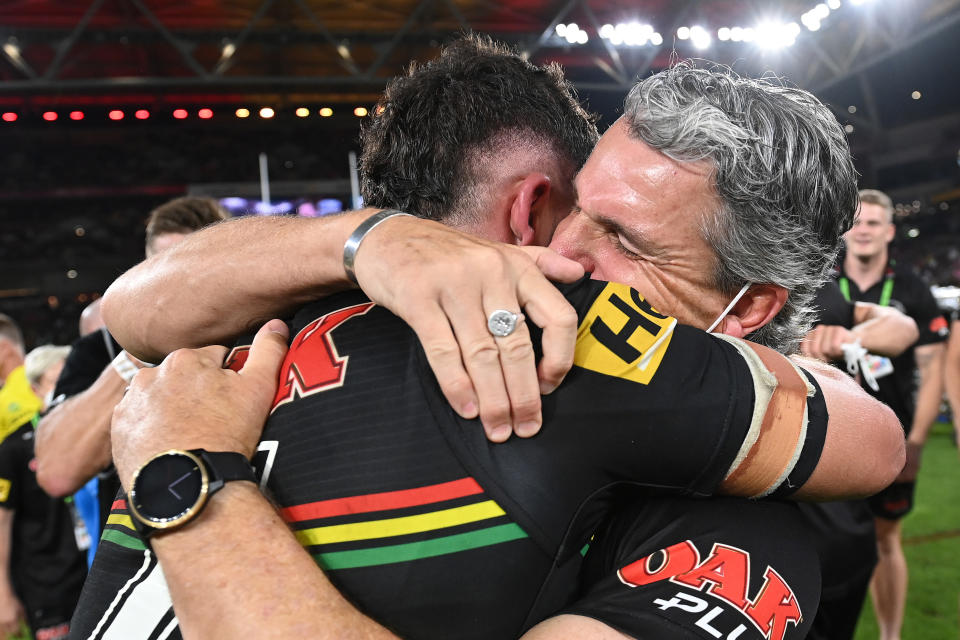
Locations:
{"points": [[881, 330], [951, 370], [239, 539], [73, 440], [864, 449], [223, 280], [930, 363], [11, 610], [219, 282]]}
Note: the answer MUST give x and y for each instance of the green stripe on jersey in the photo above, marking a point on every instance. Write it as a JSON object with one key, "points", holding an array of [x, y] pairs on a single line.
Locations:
{"points": [[417, 550], [122, 539]]}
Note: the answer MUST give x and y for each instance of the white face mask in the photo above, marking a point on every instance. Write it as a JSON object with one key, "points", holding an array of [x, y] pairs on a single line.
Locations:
{"points": [[723, 314]]}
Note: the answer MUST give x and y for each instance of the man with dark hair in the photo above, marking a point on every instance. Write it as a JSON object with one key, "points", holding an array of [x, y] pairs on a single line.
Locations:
{"points": [[41, 568], [436, 174], [450, 553], [73, 439], [171, 221]]}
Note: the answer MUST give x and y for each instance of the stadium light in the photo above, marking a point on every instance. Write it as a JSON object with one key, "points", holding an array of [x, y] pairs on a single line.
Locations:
{"points": [[205, 114], [360, 112], [180, 114], [326, 112], [302, 112], [50, 116], [141, 114], [683, 33], [700, 37], [115, 114], [833, 4], [266, 113], [242, 113], [9, 116], [76, 115]]}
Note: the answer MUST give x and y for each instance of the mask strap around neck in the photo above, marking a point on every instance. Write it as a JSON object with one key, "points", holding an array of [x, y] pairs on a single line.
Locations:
{"points": [[724, 313]]}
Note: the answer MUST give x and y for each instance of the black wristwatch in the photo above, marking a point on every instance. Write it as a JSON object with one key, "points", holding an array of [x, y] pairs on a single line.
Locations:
{"points": [[171, 488]]}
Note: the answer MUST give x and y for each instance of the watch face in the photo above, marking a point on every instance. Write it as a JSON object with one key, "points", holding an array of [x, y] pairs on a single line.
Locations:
{"points": [[169, 487]]}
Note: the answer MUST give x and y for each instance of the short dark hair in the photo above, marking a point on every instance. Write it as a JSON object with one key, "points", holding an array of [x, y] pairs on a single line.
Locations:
{"points": [[10, 330], [183, 215], [418, 141]]}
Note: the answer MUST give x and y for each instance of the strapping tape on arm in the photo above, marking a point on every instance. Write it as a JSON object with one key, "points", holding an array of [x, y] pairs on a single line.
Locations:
{"points": [[779, 425]]}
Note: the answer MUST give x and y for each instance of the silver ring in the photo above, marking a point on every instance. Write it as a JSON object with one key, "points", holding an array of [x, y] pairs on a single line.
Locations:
{"points": [[502, 323]]}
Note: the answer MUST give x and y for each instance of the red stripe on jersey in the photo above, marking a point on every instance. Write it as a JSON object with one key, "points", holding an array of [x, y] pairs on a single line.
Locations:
{"points": [[382, 501], [119, 504]]}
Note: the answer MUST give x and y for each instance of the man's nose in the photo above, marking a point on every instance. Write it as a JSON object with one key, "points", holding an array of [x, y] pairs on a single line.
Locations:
{"points": [[571, 241]]}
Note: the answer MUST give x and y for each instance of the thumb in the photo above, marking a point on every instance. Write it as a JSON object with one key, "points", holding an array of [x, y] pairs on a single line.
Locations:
{"points": [[267, 352], [553, 265]]}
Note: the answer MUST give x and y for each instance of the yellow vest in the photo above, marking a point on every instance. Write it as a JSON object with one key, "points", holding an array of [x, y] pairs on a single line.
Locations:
{"points": [[18, 402]]}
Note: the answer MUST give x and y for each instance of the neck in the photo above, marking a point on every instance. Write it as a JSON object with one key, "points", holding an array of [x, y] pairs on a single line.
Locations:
{"points": [[866, 270], [7, 367]]}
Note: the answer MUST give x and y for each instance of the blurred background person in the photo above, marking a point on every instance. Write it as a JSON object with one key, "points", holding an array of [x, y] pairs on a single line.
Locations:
{"points": [[73, 439], [18, 402], [43, 366], [868, 274], [843, 532], [41, 567]]}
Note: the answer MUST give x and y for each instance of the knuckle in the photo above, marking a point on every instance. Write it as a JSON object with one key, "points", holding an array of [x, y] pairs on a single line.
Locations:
{"points": [[482, 351], [555, 368], [565, 317], [526, 405], [441, 351], [516, 350], [457, 385], [495, 411]]}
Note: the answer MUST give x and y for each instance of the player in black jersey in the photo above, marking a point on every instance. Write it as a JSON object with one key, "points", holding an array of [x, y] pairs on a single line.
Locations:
{"points": [[602, 365], [868, 274]]}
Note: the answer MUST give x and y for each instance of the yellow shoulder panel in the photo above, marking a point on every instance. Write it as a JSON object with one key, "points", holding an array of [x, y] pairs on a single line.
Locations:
{"points": [[623, 336]]}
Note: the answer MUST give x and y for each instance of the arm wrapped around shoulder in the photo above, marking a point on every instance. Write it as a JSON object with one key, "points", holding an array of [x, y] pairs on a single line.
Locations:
{"points": [[815, 434]]}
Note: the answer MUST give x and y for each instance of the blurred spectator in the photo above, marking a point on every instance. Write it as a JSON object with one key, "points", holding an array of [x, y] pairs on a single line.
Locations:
{"points": [[41, 568], [869, 275], [843, 532], [73, 439], [43, 366], [17, 401]]}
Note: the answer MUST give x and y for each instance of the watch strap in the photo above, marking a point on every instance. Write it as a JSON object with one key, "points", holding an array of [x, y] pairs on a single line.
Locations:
{"points": [[221, 467], [226, 465]]}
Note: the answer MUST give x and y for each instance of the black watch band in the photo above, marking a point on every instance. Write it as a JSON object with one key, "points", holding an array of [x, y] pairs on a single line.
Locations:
{"points": [[173, 487]]}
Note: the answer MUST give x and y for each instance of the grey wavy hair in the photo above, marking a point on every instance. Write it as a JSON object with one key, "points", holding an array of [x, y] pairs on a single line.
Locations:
{"points": [[782, 171]]}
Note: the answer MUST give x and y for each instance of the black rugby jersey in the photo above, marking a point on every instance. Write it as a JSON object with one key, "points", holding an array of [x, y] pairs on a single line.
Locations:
{"points": [[909, 294], [423, 523], [46, 567], [724, 568]]}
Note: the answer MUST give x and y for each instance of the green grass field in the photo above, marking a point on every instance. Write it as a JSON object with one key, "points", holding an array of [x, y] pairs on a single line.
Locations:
{"points": [[932, 545]]}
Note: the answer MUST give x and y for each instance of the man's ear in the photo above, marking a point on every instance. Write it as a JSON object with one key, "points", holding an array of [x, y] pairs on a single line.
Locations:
{"points": [[755, 309], [530, 199]]}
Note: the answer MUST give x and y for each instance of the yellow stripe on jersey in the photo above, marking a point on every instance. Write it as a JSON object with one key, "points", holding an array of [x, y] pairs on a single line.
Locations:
{"points": [[400, 526], [4, 489], [623, 336], [120, 519]]}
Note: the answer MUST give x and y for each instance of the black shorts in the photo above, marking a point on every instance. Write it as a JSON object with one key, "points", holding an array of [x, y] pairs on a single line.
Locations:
{"points": [[894, 502]]}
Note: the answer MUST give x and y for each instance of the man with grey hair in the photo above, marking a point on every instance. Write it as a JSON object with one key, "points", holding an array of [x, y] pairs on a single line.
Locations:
{"points": [[611, 187]]}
